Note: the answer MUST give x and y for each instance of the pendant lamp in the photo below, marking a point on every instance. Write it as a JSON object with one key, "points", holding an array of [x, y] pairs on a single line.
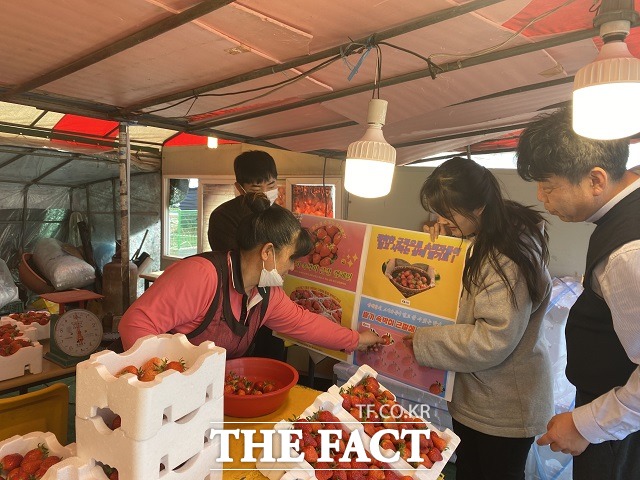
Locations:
{"points": [[606, 92], [371, 160]]}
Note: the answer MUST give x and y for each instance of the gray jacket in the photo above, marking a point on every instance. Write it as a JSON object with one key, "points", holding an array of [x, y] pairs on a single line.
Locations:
{"points": [[503, 386]]}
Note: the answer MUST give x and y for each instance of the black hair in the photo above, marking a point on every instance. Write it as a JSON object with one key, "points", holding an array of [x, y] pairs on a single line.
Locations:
{"points": [[254, 166], [271, 224], [508, 228], [549, 146]]}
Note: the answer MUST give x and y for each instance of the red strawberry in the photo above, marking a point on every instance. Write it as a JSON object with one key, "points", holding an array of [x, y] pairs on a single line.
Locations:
{"points": [[434, 455], [310, 454], [128, 369], [436, 388], [375, 473], [116, 422], [30, 467], [426, 461], [38, 453], [18, 474], [326, 416], [346, 401], [176, 365], [11, 461], [340, 475], [439, 443], [303, 424], [371, 385], [52, 460], [309, 440], [323, 471]]}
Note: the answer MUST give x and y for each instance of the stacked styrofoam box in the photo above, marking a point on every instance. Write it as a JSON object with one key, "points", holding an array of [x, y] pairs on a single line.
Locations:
{"points": [[23, 443], [409, 397], [27, 358], [421, 472], [42, 331], [166, 421]]}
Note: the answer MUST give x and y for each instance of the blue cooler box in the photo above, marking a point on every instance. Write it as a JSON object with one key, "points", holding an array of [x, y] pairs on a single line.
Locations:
{"points": [[411, 398]]}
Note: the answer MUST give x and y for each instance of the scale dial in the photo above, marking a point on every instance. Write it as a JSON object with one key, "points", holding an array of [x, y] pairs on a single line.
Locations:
{"points": [[78, 333]]}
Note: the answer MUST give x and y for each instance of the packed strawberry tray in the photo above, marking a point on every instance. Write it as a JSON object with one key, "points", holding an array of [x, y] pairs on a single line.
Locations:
{"points": [[34, 455], [37, 319], [19, 352], [391, 448]]}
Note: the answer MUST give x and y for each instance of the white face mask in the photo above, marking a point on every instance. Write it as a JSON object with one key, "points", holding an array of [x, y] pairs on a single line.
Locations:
{"points": [[270, 278], [272, 195]]}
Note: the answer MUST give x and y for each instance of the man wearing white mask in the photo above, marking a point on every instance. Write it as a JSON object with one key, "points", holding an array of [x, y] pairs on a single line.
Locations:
{"points": [[227, 297], [255, 172]]}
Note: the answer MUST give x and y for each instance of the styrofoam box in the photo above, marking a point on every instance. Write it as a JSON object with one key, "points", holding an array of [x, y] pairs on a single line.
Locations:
{"points": [[187, 440], [451, 438], [27, 358], [27, 331], [329, 402], [23, 443], [74, 468], [42, 331], [145, 407], [409, 397]]}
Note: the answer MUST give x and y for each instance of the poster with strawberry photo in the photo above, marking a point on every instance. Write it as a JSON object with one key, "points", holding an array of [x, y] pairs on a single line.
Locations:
{"points": [[406, 268], [335, 304], [337, 252], [396, 359]]}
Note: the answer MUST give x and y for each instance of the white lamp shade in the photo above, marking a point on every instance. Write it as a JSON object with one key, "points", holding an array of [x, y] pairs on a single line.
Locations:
{"points": [[212, 142], [606, 95], [371, 160]]}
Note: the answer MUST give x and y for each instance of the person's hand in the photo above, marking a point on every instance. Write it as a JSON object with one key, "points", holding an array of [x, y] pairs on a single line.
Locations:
{"points": [[368, 341], [408, 341], [563, 436], [435, 229]]}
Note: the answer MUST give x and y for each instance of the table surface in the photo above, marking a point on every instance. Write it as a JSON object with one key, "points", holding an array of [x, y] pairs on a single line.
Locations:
{"points": [[151, 276], [71, 296], [50, 371], [298, 400]]}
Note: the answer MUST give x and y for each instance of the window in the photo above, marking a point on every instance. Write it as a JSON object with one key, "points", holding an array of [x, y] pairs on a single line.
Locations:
{"points": [[181, 221]]}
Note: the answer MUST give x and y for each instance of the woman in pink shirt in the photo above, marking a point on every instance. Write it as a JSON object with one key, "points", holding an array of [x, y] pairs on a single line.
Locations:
{"points": [[226, 297]]}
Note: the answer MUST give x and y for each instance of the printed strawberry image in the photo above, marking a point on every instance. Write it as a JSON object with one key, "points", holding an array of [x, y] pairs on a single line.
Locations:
{"points": [[436, 388], [326, 239]]}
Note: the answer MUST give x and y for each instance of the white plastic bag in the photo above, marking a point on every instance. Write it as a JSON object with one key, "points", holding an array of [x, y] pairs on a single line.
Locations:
{"points": [[62, 269], [8, 289]]}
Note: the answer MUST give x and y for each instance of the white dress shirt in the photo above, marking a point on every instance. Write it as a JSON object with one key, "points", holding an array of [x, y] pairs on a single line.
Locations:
{"points": [[616, 279]]}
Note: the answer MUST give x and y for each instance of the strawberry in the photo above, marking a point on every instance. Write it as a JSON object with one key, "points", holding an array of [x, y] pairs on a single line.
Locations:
{"points": [[346, 401], [38, 453], [128, 369], [323, 471], [303, 424], [40, 472], [326, 416], [434, 455], [11, 461], [426, 461], [179, 365], [18, 474], [371, 385], [308, 439], [439, 443], [340, 475], [30, 467], [116, 422], [436, 388], [375, 473], [113, 475], [310, 454], [52, 460]]}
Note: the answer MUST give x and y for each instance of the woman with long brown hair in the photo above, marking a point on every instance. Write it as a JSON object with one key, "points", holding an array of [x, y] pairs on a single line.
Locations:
{"points": [[502, 395]]}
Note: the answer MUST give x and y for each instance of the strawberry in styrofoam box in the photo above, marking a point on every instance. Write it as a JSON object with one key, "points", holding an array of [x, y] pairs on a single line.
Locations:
{"points": [[11, 327], [19, 355], [351, 459], [181, 450], [38, 319], [160, 379], [369, 402], [31, 455]]}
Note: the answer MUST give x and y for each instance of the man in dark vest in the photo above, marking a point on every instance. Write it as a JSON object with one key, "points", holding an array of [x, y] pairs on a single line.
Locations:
{"points": [[584, 180]]}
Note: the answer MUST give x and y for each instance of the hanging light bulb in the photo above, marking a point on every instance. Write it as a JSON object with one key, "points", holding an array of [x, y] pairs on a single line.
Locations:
{"points": [[606, 92], [371, 160]]}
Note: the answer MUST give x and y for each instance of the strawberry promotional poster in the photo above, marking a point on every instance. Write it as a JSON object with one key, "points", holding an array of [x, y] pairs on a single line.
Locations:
{"points": [[388, 280]]}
